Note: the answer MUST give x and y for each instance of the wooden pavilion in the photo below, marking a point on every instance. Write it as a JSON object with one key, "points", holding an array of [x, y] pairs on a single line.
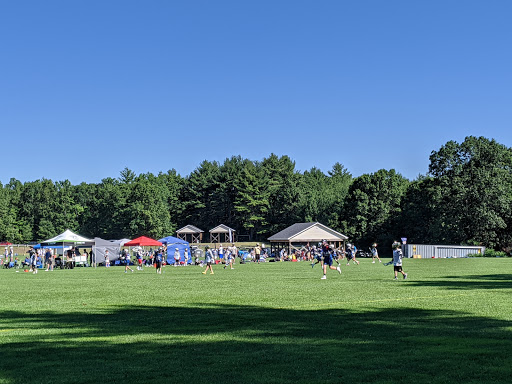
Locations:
{"points": [[190, 232], [221, 232], [300, 234]]}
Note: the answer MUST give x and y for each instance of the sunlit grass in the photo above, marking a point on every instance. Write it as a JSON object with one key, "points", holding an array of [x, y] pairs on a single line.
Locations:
{"points": [[451, 321]]}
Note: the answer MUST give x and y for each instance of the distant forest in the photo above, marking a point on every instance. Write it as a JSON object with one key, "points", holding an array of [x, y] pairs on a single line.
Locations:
{"points": [[465, 198]]}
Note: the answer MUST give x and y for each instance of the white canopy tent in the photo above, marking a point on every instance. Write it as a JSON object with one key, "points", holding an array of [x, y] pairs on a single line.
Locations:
{"points": [[70, 237]]}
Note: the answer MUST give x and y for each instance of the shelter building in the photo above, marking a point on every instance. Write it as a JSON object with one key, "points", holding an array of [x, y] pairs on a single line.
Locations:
{"points": [[300, 234], [190, 233], [222, 234]]}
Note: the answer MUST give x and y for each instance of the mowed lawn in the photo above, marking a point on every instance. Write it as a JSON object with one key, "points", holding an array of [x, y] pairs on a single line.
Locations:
{"points": [[450, 322]]}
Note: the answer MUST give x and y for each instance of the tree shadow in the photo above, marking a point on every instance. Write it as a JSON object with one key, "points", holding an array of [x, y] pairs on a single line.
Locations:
{"points": [[495, 281], [245, 344]]}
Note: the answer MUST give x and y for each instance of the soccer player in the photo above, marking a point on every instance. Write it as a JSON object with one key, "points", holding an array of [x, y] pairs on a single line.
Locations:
{"points": [[397, 260], [327, 254]]}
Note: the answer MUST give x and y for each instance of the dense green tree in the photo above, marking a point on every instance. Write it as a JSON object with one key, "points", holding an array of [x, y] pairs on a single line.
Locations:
{"points": [[174, 184], [284, 190], [322, 196], [474, 202], [223, 202], [340, 181], [147, 207], [373, 206], [199, 195], [465, 198], [252, 199], [106, 216]]}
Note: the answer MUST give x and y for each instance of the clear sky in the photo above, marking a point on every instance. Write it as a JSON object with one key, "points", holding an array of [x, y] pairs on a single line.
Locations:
{"points": [[90, 87]]}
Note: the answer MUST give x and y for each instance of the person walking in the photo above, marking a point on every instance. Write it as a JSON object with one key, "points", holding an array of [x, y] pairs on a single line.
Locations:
{"points": [[127, 261], [48, 258], [397, 260], [209, 260], [230, 256]]}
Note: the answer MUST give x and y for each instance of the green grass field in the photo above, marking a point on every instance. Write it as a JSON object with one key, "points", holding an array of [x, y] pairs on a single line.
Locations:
{"points": [[450, 322]]}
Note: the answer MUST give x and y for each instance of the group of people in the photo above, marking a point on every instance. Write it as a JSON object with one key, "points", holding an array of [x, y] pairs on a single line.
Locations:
{"points": [[326, 254], [228, 255]]}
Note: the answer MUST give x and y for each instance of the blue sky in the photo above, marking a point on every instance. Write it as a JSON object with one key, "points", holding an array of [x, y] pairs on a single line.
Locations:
{"points": [[88, 88]]}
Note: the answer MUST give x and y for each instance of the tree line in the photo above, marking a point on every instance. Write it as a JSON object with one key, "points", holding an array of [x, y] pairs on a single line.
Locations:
{"points": [[465, 198]]}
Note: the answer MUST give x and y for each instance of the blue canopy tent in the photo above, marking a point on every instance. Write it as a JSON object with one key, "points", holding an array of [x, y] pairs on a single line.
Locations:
{"points": [[173, 243]]}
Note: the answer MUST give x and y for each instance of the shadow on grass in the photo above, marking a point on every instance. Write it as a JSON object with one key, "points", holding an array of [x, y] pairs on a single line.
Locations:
{"points": [[496, 281], [244, 344]]}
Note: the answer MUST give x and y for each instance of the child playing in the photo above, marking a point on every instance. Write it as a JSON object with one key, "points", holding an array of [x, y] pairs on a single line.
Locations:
{"points": [[397, 260]]}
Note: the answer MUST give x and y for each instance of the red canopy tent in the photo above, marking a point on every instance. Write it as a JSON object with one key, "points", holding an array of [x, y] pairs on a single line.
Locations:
{"points": [[142, 241], [5, 243]]}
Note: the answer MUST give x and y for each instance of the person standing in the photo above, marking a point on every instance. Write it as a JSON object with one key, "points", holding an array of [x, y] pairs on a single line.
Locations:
{"points": [[107, 259], [176, 257], [33, 260], [48, 259], [257, 252], [375, 253], [209, 260], [397, 261], [139, 259], [158, 261], [186, 256], [221, 254]]}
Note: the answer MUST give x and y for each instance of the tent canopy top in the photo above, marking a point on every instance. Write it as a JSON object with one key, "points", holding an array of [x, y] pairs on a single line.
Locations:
{"points": [[143, 241], [68, 236], [173, 240]]}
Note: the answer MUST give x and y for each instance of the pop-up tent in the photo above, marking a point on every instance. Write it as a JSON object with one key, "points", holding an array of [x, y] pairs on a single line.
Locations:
{"points": [[100, 246], [142, 241], [173, 243], [70, 238]]}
